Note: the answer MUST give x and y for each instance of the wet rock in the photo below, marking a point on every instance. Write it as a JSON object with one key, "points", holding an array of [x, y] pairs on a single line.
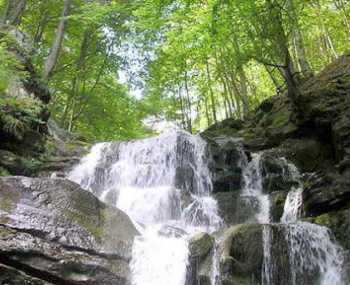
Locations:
{"points": [[276, 174], [198, 270], [339, 223], [307, 154], [241, 254], [12, 276], [228, 159], [326, 192], [277, 200], [52, 230], [227, 127], [236, 209]]}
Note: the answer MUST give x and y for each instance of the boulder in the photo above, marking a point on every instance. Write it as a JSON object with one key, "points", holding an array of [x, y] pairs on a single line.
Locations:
{"points": [[228, 159], [53, 231], [276, 174], [339, 223], [241, 257], [326, 192], [200, 259], [236, 209], [277, 200]]}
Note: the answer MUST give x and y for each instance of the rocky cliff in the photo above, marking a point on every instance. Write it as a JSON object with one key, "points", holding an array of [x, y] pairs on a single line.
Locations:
{"points": [[315, 136]]}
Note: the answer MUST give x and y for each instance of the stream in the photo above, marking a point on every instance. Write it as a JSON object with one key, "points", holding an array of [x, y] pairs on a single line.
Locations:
{"points": [[164, 184]]}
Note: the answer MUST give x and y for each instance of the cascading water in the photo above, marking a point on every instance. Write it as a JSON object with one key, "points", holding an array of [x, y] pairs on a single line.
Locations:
{"points": [[312, 255], [148, 179], [164, 185], [253, 188]]}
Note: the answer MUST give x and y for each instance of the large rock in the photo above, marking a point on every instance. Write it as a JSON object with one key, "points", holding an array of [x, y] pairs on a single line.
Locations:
{"points": [[326, 192], [339, 223], [241, 254], [236, 209], [200, 259], [228, 159], [53, 231]]}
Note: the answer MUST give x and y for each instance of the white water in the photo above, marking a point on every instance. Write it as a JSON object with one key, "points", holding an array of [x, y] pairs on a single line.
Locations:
{"points": [[253, 187], [312, 253], [312, 250], [141, 178]]}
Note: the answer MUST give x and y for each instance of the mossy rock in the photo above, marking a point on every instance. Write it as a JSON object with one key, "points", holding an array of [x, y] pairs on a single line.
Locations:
{"points": [[84, 238], [4, 171], [242, 254], [277, 205], [339, 223]]}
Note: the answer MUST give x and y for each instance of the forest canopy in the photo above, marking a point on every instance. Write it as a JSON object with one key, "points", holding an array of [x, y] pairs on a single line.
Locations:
{"points": [[112, 64]]}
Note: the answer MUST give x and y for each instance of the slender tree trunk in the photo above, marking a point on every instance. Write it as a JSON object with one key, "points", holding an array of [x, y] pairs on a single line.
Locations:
{"points": [[326, 40], [207, 111], [244, 91], [183, 120], [76, 81], [41, 28], [14, 11], [52, 59], [237, 96], [273, 78], [226, 97], [212, 99], [298, 40], [340, 4], [189, 121], [292, 83]]}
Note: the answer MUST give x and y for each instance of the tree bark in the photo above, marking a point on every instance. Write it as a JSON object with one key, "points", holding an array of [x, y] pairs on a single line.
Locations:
{"points": [[14, 11], [52, 59], [244, 91], [298, 40], [189, 106], [212, 99]]}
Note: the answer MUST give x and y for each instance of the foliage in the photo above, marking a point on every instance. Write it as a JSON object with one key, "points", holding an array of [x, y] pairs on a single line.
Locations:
{"points": [[230, 55], [18, 115], [196, 62]]}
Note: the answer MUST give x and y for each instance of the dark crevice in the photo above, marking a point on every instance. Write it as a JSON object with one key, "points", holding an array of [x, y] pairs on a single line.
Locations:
{"points": [[33, 272]]}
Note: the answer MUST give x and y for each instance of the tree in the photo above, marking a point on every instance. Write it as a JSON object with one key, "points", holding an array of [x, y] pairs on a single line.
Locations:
{"points": [[13, 12], [51, 60]]}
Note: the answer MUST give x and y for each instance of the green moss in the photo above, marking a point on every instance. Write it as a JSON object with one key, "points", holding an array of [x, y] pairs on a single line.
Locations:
{"points": [[280, 119], [4, 172], [324, 220]]}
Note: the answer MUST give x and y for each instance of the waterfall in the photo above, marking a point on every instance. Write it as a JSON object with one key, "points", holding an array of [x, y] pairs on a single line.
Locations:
{"points": [[253, 187], [312, 255], [164, 185]]}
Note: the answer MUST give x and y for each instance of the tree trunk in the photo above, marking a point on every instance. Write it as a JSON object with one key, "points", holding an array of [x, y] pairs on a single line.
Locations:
{"points": [[76, 81], [207, 111], [341, 7], [212, 99], [189, 105], [52, 59], [292, 83], [298, 40], [41, 28], [14, 11], [244, 90], [326, 40], [183, 120]]}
